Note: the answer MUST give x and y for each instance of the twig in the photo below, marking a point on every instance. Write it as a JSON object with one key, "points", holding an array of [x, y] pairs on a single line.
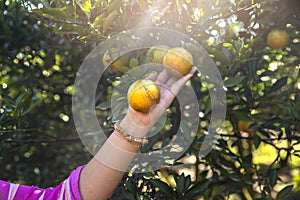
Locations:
{"points": [[265, 139], [42, 140], [17, 130]]}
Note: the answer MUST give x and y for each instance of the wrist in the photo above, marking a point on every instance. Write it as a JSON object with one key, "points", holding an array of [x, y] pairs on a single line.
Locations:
{"points": [[134, 127]]}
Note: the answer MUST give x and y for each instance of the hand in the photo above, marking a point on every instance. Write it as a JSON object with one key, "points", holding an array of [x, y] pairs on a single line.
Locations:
{"points": [[141, 123]]}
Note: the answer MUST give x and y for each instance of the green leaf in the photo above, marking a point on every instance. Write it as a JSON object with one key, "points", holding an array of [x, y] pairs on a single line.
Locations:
{"points": [[196, 190], [142, 4], [296, 110], [8, 100], [228, 55], [232, 155], [107, 21], [20, 99], [218, 55], [114, 5], [164, 188], [270, 124], [187, 182], [98, 22], [207, 105], [256, 140], [273, 177], [54, 13], [179, 5], [279, 84], [104, 105], [248, 180], [130, 186], [70, 29], [242, 115], [99, 4], [185, 129], [127, 194], [230, 47], [227, 163], [234, 81], [33, 104], [85, 6], [123, 69], [37, 11], [248, 158], [284, 192], [234, 177], [238, 44], [133, 63], [180, 183]]}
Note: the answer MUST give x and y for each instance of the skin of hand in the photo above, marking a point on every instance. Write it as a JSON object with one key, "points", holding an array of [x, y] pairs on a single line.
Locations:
{"points": [[139, 123], [98, 179]]}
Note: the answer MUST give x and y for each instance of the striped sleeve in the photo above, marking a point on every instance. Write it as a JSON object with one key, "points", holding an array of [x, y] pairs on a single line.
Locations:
{"points": [[66, 190]]}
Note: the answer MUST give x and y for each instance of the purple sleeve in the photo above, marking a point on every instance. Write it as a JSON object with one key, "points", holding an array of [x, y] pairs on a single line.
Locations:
{"points": [[4, 190], [74, 183], [67, 190]]}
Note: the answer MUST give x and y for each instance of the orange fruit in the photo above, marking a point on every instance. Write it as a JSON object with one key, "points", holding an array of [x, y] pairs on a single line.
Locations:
{"points": [[157, 53], [278, 39], [178, 60], [244, 126], [143, 94], [117, 63], [122, 61], [106, 59]]}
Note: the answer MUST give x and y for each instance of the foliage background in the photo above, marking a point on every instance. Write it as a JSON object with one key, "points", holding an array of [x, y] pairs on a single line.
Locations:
{"points": [[42, 46]]}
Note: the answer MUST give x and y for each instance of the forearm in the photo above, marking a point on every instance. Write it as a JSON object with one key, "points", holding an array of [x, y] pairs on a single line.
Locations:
{"points": [[102, 174]]}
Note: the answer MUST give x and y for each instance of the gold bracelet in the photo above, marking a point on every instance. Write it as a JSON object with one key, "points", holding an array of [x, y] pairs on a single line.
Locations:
{"points": [[138, 140]]}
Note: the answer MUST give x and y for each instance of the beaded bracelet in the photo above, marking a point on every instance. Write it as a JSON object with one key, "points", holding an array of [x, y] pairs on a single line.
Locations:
{"points": [[138, 140]]}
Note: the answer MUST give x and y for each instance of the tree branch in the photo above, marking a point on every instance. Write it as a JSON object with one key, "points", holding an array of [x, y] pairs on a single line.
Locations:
{"points": [[264, 140], [18, 141]]}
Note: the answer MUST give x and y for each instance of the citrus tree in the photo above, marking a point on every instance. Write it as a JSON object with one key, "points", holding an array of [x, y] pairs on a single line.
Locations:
{"points": [[256, 50], [37, 71]]}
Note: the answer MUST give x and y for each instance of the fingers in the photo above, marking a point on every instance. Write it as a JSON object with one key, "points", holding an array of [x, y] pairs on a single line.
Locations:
{"points": [[189, 75], [152, 77], [183, 79], [177, 85], [170, 86], [163, 77], [171, 81], [193, 70]]}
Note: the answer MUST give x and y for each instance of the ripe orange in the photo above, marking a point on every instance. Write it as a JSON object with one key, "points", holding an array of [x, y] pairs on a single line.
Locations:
{"points": [[244, 126], [178, 60], [143, 94], [122, 61], [106, 59], [157, 53], [116, 64], [278, 39]]}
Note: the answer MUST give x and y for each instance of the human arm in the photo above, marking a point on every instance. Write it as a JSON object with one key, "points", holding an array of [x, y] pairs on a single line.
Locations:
{"points": [[98, 178]]}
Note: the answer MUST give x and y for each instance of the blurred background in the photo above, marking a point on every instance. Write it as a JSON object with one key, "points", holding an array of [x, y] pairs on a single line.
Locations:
{"points": [[254, 43]]}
